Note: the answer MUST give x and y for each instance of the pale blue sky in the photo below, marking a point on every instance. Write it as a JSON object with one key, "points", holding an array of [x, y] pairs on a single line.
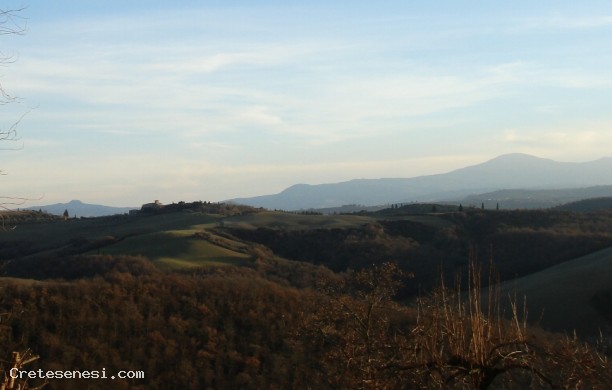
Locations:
{"points": [[210, 100]]}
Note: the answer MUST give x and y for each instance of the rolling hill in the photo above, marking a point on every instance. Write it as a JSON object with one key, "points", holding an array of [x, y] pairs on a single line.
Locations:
{"points": [[537, 252], [511, 171], [171, 240], [576, 294]]}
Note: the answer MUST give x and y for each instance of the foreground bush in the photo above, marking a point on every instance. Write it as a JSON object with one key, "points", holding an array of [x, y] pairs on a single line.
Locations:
{"points": [[455, 339]]}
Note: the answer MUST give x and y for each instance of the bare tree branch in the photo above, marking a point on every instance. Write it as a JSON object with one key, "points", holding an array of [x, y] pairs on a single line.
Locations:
{"points": [[12, 22]]}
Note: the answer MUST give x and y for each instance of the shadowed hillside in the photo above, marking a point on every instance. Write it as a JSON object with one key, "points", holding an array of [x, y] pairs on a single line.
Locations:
{"points": [[576, 294], [589, 205], [518, 242]]}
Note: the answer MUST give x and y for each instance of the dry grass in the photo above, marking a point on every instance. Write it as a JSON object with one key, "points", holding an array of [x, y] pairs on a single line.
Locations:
{"points": [[462, 340], [458, 339]]}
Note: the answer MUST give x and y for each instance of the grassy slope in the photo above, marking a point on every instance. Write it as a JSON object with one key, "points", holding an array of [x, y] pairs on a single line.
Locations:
{"points": [[280, 220], [169, 239], [177, 249], [56, 233], [174, 240], [560, 297], [166, 238]]}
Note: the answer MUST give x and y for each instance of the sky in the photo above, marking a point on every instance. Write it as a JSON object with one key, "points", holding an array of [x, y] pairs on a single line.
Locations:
{"points": [[127, 102]]}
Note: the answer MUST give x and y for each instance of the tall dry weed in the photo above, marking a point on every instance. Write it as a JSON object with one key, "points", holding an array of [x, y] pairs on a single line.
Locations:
{"points": [[463, 340]]}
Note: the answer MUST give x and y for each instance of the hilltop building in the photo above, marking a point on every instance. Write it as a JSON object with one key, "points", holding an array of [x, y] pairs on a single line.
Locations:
{"points": [[148, 208], [157, 205]]}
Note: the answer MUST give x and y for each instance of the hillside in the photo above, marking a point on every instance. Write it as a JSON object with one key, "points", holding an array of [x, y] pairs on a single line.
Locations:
{"points": [[533, 199], [252, 295], [576, 294], [512, 171], [170, 239], [519, 242], [588, 205], [420, 241]]}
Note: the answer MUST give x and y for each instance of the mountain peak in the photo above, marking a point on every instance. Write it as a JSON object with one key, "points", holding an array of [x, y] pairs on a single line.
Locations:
{"points": [[517, 157], [508, 171]]}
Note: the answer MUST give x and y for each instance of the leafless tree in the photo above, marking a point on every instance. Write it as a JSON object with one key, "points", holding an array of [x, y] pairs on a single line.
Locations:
{"points": [[11, 23]]}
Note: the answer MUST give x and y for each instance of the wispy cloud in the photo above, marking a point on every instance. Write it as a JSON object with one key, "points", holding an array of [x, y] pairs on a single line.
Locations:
{"points": [[560, 22], [229, 99], [571, 141]]}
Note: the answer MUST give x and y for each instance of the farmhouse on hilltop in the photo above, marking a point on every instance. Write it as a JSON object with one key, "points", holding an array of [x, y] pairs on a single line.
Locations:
{"points": [[148, 208]]}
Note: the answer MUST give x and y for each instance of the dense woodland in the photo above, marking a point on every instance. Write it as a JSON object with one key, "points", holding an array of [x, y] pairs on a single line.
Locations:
{"points": [[314, 308], [517, 242]]}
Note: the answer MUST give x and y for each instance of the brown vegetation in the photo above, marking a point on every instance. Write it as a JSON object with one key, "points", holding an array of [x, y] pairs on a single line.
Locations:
{"points": [[519, 242], [280, 325], [274, 323], [456, 341]]}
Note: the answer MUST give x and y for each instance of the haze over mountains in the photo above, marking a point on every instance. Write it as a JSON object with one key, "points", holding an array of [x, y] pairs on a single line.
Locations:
{"points": [[511, 171], [80, 209], [512, 181]]}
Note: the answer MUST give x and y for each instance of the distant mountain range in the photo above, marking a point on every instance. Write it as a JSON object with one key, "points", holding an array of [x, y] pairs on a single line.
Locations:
{"points": [[510, 171], [80, 209], [511, 180]]}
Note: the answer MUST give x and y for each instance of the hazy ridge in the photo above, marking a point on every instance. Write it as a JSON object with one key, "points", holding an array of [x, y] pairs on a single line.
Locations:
{"points": [[511, 171], [76, 208]]}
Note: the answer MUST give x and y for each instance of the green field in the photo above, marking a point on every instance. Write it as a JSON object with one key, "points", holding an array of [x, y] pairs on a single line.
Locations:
{"points": [[280, 220], [174, 240], [171, 240], [177, 249], [55, 233], [288, 221]]}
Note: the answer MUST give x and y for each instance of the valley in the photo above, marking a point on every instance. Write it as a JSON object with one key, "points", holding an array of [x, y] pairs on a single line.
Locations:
{"points": [[238, 270]]}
